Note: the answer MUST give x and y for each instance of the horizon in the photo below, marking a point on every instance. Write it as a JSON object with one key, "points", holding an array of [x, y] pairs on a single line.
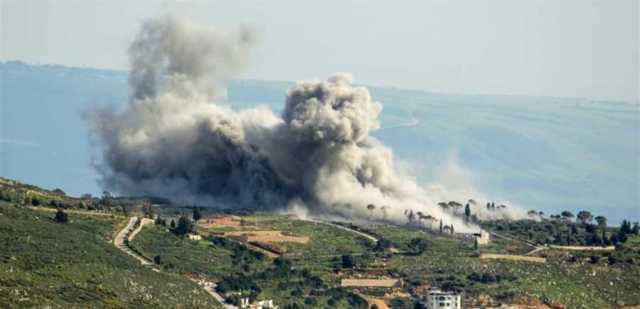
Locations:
{"points": [[358, 154], [124, 71]]}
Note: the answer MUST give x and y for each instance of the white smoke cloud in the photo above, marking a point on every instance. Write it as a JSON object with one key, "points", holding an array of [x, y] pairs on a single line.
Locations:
{"points": [[173, 141]]}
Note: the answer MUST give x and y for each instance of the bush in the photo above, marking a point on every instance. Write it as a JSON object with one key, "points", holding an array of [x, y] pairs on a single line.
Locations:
{"points": [[347, 261], [185, 226], [61, 216]]}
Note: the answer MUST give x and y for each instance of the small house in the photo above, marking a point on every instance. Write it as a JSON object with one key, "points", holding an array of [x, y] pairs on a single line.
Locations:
{"points": [[437, 299]]}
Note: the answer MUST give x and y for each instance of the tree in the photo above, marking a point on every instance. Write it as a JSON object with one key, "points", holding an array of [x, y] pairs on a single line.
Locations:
{"points": [[184, 227], [147, 210], [625, 228], [467, 211], [421, 216], [602, 224], [584, 216], [35, 201], [418, 245], [61, 216], [410, 216], [441, 227], [383, 209], [347, 261], [371, 207], [567, 215], [443, 205], [196, 214], [160, 221], [382, 244], [157, 259], [172, 225]]}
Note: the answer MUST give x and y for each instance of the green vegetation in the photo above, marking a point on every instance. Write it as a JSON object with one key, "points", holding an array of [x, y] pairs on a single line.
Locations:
{"points": [[24, 194], [214, 257], [54, 254], [291, 287], [564, 232], [569, 278], [43, 263]]}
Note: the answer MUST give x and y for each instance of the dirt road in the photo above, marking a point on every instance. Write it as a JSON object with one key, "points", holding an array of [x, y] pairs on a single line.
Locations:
{"points": [[583, 248], [79, 212], [130, 231], [511, 257], [124, 234]]}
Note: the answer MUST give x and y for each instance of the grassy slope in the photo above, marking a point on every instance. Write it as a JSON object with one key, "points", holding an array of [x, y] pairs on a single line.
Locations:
{"points": [[205, 258], [186, 256], [576, 285], [73, 265]]}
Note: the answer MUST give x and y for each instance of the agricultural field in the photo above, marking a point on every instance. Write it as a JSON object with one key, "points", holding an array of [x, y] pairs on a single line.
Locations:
{"points": [[302, 277], [74, 265], [573, 279]]}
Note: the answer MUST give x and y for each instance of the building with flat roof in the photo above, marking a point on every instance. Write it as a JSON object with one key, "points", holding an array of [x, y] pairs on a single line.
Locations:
{"points": [[437, 299]]}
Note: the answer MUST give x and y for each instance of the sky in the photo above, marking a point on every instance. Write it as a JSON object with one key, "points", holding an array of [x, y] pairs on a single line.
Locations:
{"points": [[586, 49]]}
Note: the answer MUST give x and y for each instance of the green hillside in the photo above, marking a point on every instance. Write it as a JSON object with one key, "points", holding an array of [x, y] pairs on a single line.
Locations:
{"points": [[76, 265]]}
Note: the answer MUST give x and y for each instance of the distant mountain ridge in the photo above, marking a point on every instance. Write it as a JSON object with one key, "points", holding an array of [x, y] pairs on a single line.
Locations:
{"points": [[545, 153]]}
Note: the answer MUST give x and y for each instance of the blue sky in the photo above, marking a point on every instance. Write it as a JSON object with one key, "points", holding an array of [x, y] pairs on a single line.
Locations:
{"points": [[577, 48]]}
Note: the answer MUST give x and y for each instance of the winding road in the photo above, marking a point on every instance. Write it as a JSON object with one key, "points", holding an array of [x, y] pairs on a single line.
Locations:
{"points": [[130, 231]]}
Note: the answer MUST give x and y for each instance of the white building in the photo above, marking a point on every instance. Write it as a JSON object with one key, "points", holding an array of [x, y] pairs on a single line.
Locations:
{"points": [[263, 304], [194, 237], [437, 299]]}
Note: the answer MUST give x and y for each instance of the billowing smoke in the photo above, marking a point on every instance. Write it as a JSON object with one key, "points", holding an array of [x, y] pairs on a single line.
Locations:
{"points": [[173, 141]]}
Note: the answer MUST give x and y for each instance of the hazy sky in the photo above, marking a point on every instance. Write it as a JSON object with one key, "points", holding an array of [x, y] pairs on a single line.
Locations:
{"points": [[553, 48]]}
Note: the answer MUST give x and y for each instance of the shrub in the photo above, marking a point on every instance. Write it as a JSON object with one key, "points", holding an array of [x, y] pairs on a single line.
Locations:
{"points": [[61, 216]]}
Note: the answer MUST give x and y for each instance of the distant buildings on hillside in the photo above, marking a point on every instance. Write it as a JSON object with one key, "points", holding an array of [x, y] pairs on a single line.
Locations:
{"points": [[483, 238], [263, 304], [437, 299]]}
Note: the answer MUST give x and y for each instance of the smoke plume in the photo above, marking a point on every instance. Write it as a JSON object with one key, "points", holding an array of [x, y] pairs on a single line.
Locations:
{"points": [[173, 141]]}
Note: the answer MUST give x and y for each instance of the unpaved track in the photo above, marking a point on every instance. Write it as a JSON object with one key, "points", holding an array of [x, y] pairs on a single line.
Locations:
{"points": [[124, 234], [536, 248], [344, 228], [78, 212], [583, 248], [129, 232], [511, 257]]}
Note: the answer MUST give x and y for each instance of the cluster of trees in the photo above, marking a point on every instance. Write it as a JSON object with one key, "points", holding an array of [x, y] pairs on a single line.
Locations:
{"points": [[561, 229], [24, 195], [183, 227]]}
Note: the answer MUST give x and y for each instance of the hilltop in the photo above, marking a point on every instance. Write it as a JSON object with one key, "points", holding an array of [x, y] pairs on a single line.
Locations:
{"points": [[537, 152], [294, 262]]}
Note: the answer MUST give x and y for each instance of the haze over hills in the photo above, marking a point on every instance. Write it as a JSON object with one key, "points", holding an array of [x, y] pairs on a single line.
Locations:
{"points": [[542, 153]]}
